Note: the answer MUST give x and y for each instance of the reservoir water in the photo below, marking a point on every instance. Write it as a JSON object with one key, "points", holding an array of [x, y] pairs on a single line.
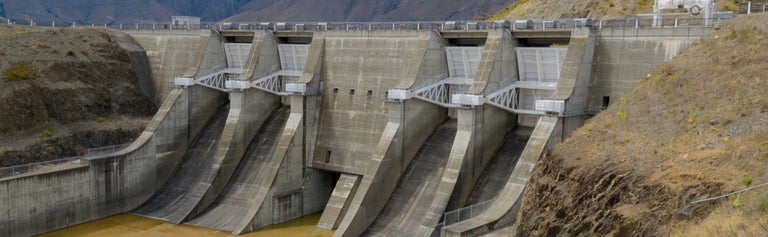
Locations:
{"points": [[132, 225]]}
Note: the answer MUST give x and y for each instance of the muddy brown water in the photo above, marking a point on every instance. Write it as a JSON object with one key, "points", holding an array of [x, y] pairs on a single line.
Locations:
{"points": [[132, 225]]}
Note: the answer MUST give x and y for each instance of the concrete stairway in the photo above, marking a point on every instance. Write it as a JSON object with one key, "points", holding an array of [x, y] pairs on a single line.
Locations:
{"points": [[174, 195], [405, 208], [231, 206]]}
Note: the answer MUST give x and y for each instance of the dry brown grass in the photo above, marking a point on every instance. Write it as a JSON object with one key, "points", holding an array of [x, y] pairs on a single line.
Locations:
{"points": [[584, 8]]}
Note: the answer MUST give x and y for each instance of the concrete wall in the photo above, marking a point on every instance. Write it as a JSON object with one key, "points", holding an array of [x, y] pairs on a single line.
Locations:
{"points": [[433, 65], [623, 56], [485, 126], [573, 87], [505, 203], [408, 125], [263, 58], [351, 124], [172, 54], [247, 112], [498, 64], [139, 63], [105, 185], [112, 184], [288, 177], [403, 136]]}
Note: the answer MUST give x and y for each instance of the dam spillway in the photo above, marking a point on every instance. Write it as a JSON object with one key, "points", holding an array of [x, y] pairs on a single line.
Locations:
{"points": [[338, 120]]}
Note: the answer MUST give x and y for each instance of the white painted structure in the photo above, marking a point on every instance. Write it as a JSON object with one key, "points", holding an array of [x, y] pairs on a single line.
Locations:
{"points": [[694, 7], [185, 20]]}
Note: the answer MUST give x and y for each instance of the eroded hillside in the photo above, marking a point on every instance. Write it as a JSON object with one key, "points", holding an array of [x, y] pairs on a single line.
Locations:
{"points": [[695, 128], [65, 90]]}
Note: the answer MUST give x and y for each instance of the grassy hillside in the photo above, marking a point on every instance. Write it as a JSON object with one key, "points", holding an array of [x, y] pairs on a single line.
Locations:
{"points": [[695, 128]]}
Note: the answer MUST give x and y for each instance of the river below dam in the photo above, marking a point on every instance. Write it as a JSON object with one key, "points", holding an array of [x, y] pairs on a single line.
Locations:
{"points": [[133, 225]]}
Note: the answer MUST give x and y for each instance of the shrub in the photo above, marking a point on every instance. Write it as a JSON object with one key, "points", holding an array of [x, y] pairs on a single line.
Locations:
{"points": [[747, 181], [737, 202], [622, 113], [19, 72], [101, 119], [46, 133]]}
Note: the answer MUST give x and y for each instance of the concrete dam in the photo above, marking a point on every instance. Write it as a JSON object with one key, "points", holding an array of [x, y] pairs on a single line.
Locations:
{"points": [[383, 130]]}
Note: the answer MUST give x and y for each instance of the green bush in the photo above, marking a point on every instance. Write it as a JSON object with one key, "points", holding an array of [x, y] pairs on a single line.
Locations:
{"points": [[19, 72], [622, 113], [46, 133], [747, 181], [737, 202]]}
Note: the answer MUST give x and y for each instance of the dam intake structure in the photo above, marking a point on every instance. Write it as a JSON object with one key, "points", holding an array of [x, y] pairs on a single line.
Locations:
{"points": [[382, 127]]}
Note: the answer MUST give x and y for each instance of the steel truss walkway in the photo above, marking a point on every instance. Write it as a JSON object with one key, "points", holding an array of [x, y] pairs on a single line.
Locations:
{"points": [[538, 70], [292, 60]]}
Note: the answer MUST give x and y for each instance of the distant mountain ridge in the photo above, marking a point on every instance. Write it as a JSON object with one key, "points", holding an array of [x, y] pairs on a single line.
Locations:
{"points": [[159, 11]]}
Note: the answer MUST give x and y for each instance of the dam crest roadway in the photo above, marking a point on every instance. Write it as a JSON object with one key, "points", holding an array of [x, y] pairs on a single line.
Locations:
{"points": [[384, 127]]}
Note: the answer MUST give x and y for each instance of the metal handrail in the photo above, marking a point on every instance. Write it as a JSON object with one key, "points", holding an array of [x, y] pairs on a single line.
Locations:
{"points": [[30, 167], [517, 24], [474, 210]]}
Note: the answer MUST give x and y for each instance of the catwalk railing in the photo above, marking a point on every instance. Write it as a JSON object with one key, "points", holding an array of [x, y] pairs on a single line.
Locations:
{"points": [[57, 163], [464, 213], [523, 24]]}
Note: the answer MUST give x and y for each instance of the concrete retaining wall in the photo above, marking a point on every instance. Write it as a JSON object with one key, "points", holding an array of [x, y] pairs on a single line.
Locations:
{"points": [[116, 183], [624, 56], [105, 185]]}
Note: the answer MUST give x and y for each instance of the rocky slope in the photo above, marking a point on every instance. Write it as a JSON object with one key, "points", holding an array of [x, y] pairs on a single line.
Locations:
{"points": [[66, 90], [694, 128]]}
